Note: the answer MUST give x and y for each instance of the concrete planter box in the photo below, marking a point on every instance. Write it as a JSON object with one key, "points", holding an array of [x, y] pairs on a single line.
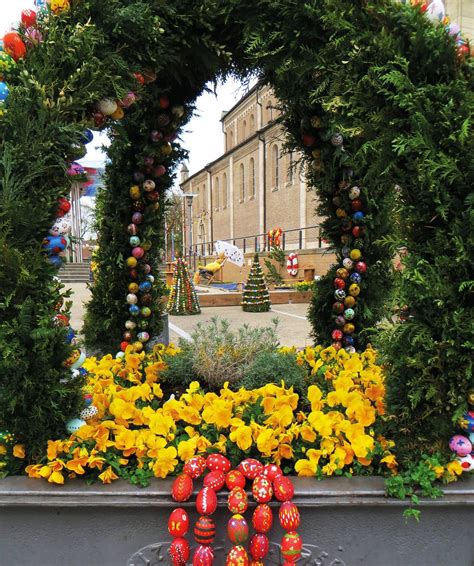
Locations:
{"points": [[344, 522]]}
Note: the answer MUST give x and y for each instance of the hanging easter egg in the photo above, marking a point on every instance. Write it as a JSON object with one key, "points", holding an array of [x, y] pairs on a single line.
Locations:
{"points": [[347, 263], [154, 196], [4, 92], [60, 227], [336, 335], [356, 278], [162, 120], [132, 229], [337, 140], [358, 216], [73, 357], [251, 468], [259, 546], [435, 11], [132, 299], [340, 320], [119, 355], [182, 488], [145, 312], [237, 501], [218, 462], [129, 99], [336, 345], [339, 294], [271, 471], [203, 555], [149, 185], [13, 45], [143, 336], [61, 320], [130, 324], [215, 480], [361, 266], [357, 231], [237, 557], [146, 268], [206, 502], [107, 106], [131, 262], [282, 486], [262, 518], [355, 254], [354, 192], [150, 278], [337, 200], [339, 283], [74, 425], [145, 286], [135, 192], [118, 114], [345, 251], [156, 136], [139, 205], [467, 462], [467, 421], [348, 328], [205, 530], [7, 64], [179, 552], [134, 310], [138, 252], [70, 335], [349, 314], [178, 523], [354, 290], [341, 213], [342, 273], [350, 350], [234, 478], [98, 118], [356, 205], [80, 360], [237, 529], [291, 546], [138, 177], [166, 149], [195, 466], [348, 340], [124, 345], [262, 490], [338, 307], [137, 218], [289, 516], [134, 241], [127, 335], [178, 111], [159, 171], [64, 206], [54, 244], [460, 444], [89, 413]]}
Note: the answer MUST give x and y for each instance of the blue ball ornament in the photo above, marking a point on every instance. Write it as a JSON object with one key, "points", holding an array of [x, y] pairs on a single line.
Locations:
{"points": [[74, 425], [134, 310], [82, 372], [55, 260], [358, 216], [355, 277], [87, 136], [54, 244], [134, 241], [4, 91], [70, 335], [348, 340], [145, 286]]}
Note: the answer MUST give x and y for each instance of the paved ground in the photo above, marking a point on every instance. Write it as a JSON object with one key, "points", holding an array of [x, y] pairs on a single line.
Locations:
{"points": [[293, 329]]}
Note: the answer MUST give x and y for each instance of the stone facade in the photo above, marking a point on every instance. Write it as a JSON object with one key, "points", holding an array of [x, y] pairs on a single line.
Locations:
{"points": [[255, 185]]}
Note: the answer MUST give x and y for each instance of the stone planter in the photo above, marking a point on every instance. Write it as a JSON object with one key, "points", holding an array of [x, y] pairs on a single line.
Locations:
{"points": [[344, 522]]}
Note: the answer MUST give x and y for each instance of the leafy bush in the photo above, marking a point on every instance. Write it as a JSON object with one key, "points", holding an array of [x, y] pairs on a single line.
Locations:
{"points": [[218, 353], [273, 367]]}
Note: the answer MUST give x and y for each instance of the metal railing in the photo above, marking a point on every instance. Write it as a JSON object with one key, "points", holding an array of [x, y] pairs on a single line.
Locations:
{"points": [[296, 239]]}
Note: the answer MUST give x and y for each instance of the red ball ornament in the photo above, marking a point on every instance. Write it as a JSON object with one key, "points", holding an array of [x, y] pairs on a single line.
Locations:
{"points": [[164, 102], [336, 335], [356, 204], [215, 480], [178, 523], [195, 466], [182, 488], [361, 266], [289, 516], [259, 546], [338, 307], [234, 478], [357, 231], [205, 530], [271, 471], [218, 462], [237, 529], [203, 556], [206, 502], [237, 501], [336, 345], [251, 468], [28, 18], [14, 45], [291, 545], [308, 140], [159, 171], [99, 118], [123, 345], [339, 283], [262, 490], [179, 552], [64, 206], [283, 487], [237, 557], [140, 78], [262, 518]]}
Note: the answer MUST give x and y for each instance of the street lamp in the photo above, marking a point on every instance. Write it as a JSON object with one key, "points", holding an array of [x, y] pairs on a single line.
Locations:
{"points": [[189, 202]]}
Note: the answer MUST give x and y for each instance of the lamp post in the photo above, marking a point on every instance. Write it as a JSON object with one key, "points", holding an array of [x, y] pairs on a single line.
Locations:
{"points": [[189, 202]]}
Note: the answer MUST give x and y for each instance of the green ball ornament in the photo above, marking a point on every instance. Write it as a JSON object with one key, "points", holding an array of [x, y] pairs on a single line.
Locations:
{"points": [[145, 312], [7, 63]]}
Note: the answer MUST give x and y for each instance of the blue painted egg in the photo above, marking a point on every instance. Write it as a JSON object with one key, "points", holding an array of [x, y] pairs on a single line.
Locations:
{"points": [[467, 421], [145, 286], [134, 310], [356, 277], [70, 335], [134, 241], [54, 244], [349, 314], [74, 425], [87, 136], [4, 91], [348, 340], [346, 250], [358, 216]]}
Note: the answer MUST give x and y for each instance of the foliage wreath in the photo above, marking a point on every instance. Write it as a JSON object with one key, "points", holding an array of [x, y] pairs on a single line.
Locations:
{"points": [[396, 88]]}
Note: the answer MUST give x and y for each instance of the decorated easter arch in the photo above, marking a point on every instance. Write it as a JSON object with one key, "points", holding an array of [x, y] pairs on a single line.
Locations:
{"points": [[370, 94]]}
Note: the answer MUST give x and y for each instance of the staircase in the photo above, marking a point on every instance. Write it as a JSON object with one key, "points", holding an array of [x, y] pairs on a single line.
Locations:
{"points": [[74, 273]]}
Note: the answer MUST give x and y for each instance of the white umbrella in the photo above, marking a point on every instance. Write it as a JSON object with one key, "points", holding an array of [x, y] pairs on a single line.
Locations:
{"points": [[231, 252]]}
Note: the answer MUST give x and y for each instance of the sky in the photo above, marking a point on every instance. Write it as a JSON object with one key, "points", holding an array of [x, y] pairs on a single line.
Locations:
{"points": [[202, 136]]}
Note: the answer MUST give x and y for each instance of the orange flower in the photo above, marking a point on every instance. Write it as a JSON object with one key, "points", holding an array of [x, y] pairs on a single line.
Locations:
{"points": [[108, 476]]}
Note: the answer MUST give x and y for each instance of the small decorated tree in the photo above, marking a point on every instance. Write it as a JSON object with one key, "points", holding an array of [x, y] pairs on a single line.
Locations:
{"points": [[183, 298], [255, 296]]}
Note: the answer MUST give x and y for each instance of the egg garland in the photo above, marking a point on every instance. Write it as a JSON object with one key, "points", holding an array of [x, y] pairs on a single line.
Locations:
{"points": [[462, 445]]}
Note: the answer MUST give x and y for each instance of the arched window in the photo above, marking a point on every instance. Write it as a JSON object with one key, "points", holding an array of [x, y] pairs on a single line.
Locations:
{"points": [[252, 124], [231, 139], [275, 167], [224, 191], [290, 168], [216, 193], [252, 178], [242, 182], [244, 130]]}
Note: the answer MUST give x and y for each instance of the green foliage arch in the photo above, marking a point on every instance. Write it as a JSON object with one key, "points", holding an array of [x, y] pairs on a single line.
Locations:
{"points": [[378, 73]]}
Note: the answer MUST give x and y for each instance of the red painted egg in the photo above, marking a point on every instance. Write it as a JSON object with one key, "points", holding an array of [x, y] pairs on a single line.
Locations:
{"points": [[283, 488], [203, 556], [215, 480], [251, 468], [259, 545], [271, 471], [218, 462], [356, 204], [206, 502], [237, 529], [28, 18], [237, 557], [289, 516], [182, 488], [291, 545], [237, 501], [205, 530], [195, 466], [179, 552], [262, 490], [13, 44], [339, 283], [262, 518], [234, 478], [178, 523]]}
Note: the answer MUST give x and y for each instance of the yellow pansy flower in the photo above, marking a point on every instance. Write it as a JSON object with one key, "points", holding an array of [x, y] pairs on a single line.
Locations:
{"points": [[165, 462], [242, 436], [108, 476], [19, 451]]}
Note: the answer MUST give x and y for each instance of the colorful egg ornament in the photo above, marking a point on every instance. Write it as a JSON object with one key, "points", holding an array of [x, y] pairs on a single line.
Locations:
{"points": [[204, 530], [182, 488], [251, 468], [237, 529], [178, 523], [289, 516], [283, 488], [13, 45], [206, 502], [237, 500], [215, 480], [467, 462], [179, 552], [262, 518], [237, 557], [259, 546], [235, 478], [203, 556], [218, 462], [262, 490], [291, 546], [74, 425], [460, 444], [271, 471]]}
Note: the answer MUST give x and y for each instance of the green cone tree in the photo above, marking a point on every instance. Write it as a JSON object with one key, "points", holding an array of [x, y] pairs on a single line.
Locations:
{"points": [[255, 297], [183, 299]]}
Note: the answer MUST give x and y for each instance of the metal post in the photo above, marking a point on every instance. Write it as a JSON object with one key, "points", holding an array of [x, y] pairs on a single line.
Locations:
{"points": [[301, 240], [283, 241]]}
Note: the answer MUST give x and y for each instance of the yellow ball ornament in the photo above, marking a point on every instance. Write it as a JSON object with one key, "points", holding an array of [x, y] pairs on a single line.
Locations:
{"points": [[354, 290], [132, 262], [348, 328], [341, 213], [135, 192], [355, 254], [137, 346], [118, 114], [167, 149], [349, 301], [133, 287]]}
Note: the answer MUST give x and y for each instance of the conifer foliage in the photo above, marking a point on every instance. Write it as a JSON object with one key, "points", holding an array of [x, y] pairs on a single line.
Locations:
{"points": [[255, 297], [183, 298]]}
